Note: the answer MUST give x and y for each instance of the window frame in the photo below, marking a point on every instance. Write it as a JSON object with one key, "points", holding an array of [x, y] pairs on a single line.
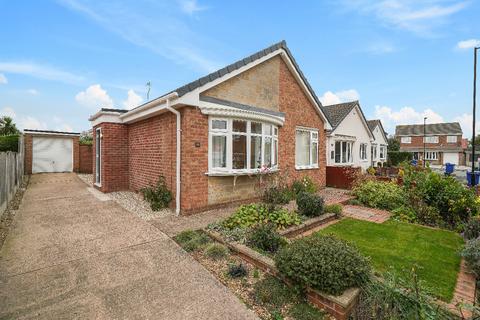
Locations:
{"points": [[363, 153], [313, 140], [426, 138], [348, 150], [430, 155], [449, 138], [382, 154], [229, 133], [406, 140]]}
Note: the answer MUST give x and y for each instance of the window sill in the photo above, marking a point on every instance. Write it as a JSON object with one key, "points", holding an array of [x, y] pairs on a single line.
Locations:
{"points": [[343, 164], [239, 173], [306, 167], [364, 160]]}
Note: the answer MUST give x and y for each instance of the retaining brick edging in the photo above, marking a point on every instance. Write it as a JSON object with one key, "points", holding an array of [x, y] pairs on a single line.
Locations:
{"points": [[339, 307], [294, 231]]}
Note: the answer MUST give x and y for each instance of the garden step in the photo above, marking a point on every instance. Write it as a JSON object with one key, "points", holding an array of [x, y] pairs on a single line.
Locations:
{"points": [[367, 214]]}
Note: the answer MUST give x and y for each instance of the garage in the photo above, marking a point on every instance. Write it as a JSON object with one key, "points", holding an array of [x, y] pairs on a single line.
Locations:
{"points": [[450, 157], [50, 151]]}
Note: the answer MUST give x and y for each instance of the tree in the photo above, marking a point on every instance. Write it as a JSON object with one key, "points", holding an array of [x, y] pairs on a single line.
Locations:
{"points": [[477, 142], [393, 144], [7, 126]]}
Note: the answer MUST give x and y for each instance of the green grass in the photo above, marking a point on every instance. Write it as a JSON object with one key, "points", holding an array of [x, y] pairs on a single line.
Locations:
{"points": [[396, 246]]}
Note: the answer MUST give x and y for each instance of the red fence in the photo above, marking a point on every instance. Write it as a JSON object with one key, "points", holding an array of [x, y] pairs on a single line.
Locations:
{"points": [[86, 159], [341, 177]]}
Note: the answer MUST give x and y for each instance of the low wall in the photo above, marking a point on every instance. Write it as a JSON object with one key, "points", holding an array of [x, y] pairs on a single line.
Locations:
{"points": [[86, 159], [341, 177]]}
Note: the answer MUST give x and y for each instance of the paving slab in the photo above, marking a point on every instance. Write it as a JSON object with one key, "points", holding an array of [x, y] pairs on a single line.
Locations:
{"points": [[70, 255]]}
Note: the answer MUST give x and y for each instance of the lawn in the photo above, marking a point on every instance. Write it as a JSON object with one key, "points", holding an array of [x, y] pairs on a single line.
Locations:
{"points": [[396, 246]]}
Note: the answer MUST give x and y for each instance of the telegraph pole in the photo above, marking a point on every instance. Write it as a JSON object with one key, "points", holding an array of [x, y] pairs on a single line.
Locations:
{"points": [[474, 111]]}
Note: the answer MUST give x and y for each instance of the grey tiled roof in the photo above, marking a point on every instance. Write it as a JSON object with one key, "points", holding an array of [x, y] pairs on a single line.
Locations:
{"points": [[337, 112], [452, 128], [373, 123], [241, 106]]}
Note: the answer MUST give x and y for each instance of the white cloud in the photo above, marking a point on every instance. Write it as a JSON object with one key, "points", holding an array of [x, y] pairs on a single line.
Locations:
{"points": [[406, 115], [468, 44], [380, 48], [9, 112], [329, 97], [466, 121], [29, 122], [3, 79], [33, 92], [191, 6], [133, 100], [40, 71], [417, 16], [94, 97]]}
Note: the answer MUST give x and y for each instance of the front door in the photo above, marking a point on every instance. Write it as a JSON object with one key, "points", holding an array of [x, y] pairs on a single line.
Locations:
{"points": [[98, 155]]}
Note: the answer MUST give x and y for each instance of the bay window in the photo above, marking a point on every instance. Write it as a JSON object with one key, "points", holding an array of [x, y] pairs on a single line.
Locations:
{"points": [[239, 146], [306, 148], [343, 152], [363, 151]]}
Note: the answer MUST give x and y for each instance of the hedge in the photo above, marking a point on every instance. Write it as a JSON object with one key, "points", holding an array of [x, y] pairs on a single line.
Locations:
{"points": [[397, 157], [9, 143]]}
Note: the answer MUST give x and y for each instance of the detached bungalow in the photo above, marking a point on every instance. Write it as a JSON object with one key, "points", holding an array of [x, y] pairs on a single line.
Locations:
{"points": [[380, 143], [213, 137]]}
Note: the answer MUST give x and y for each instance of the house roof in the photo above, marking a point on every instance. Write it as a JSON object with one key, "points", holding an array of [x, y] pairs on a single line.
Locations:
{"points": [[114, 110], [51, 132], [337, 112], [377, 122], [452, 128]]}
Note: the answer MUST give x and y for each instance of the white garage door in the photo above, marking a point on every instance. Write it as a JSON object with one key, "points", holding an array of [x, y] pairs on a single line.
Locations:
{"points": [[450, 157], [52, 154]]}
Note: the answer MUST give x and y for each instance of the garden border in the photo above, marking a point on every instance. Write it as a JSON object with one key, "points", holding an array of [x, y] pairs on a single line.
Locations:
{"points": [[307, 225]]}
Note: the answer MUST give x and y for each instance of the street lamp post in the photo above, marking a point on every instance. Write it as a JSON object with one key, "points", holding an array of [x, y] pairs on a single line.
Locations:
{"points": [[474, 110], [424, 137]]}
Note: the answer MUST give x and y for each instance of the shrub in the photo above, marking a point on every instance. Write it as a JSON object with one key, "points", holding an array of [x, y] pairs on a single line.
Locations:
{"points": [[252, 214], [354, 202], [192, 240], [272, 291], [304, 185], [394, 158], [237, 270], [378, 194], [309, 204], [472, 228], [277, 195], [9, 143], [216, 251], [335, 208], [265, 237], [325, 263], [305, 311], [158, 196], [471, 253], [404, 214]]}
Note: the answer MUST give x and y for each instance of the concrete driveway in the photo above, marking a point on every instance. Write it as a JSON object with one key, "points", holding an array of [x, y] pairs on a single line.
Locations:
{"points": [[70, 255]]}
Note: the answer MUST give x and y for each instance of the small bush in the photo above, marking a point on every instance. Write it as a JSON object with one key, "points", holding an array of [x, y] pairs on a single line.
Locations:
{"points": [[305, 311], [309, 204], [382, 195], [394, 158], [472, 229], [304, 185], [192, 240], [471, 253], [265, 237], [216, 251], [404, 214], [158, 196], [252, 214], [355, 202], [273, 291], [325, 263], [335, 208], [277, 195], [9, 143], [237, 270]]}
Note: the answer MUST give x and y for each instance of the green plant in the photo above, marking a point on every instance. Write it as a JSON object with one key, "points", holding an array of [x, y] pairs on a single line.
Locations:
{"points": [[256, 273], [309, 204], [471, 253], [216, 251], [9, 143], [191, 240], [237, 270], [265, 237], [277, 195], [252, 214], [306, 184], [7, 126], [305, 311], [354, 202], [158, 196], [272, 291], [335, 208], [378, 194], [472, 228], [325, 263], [394, 158], [404, 214]]}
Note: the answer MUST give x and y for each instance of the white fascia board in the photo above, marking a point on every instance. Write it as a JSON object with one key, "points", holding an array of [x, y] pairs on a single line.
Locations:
{"points": [[103, 116], [63, 134], [149, 108]]}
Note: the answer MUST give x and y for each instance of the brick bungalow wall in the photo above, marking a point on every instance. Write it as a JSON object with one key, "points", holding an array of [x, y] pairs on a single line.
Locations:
{"points": [[441, 146], [86, 158]]}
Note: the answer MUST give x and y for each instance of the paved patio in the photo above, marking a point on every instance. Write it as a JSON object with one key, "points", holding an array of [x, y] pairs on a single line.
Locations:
{"points": [[367, 214], [70, 255]]}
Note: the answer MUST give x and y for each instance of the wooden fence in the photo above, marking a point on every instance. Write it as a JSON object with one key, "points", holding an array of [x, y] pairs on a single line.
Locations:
{"points": [[11, 174]]}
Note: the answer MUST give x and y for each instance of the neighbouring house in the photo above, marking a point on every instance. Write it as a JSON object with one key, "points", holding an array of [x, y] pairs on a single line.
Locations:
{"points": [[350, 140], [212, 139], [379, 144], [442, 142]]}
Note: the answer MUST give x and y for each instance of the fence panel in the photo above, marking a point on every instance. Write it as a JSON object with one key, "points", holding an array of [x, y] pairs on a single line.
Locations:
{"points": [[11, 174]]}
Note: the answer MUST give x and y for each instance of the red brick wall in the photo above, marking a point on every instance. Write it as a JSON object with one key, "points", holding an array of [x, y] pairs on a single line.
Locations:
{"points": [[417, 142], [76, 154], [86, 159], [114, 153], [299, 111]]}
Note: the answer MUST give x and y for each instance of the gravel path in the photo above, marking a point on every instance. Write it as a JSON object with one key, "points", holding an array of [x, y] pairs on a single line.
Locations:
{"points": [[131, 201]]}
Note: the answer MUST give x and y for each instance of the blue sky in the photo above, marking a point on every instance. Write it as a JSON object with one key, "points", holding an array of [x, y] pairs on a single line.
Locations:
{"points": [[403, 59]]}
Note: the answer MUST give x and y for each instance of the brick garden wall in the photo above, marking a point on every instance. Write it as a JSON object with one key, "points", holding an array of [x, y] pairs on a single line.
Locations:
{"points": [[85, 158]]}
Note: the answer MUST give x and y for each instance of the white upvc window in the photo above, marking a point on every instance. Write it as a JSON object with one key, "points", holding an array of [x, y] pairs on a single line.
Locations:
{"points": [[406, 140], [343, 152], [374, 151], [363, 151], [430, 139], [431, 155], [238, 146], [451, 139], [382, 152], [306, 148]]}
